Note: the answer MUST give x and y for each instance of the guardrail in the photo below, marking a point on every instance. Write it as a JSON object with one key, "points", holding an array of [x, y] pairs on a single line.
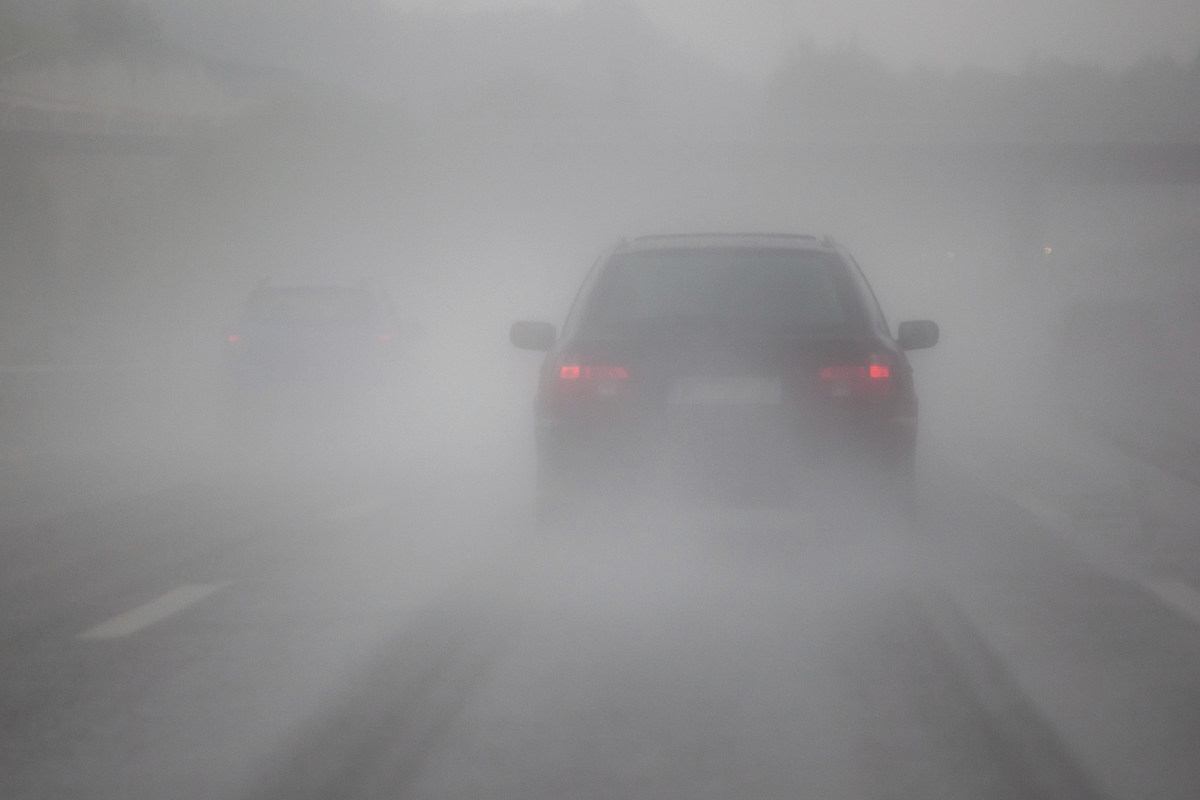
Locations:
{"points": [[22, 112]]}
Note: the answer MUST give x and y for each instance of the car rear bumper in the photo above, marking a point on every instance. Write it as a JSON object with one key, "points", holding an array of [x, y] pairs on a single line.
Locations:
{"points": [[758, 456]]}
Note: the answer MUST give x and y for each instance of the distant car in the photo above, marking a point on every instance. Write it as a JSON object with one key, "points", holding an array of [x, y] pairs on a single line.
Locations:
{"points": [[741, 367], [294, 343]]}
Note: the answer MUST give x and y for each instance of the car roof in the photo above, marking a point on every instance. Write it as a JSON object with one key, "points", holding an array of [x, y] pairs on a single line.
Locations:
{"points": [[688, 241], [311, 287]]}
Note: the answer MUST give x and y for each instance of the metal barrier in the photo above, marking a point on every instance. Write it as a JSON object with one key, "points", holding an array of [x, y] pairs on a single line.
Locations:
{"points": [[28, 113]]}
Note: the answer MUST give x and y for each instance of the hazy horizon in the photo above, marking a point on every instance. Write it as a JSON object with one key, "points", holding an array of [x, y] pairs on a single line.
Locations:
{"points": [[755, 37]]}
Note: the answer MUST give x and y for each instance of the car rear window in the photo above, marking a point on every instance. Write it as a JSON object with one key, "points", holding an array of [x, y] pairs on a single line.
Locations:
{"points": [[310, 306], [784, 289]]}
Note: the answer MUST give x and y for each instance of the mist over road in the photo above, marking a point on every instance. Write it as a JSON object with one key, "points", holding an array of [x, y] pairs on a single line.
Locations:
{"points": [[214, 620], [344, 594]]}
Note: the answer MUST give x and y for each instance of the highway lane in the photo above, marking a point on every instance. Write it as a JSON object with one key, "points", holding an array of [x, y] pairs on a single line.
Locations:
{"points": [[393, 629], [731, 657], [306, 568]]}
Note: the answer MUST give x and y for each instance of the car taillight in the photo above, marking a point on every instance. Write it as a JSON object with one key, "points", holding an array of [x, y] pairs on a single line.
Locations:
{"points": [[575, 372], [873, 379], [598, 380], [234, 346]]}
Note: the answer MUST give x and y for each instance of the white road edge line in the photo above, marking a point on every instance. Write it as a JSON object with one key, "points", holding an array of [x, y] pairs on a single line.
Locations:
{"points": [[154, 611], [1178, 596], [1045, 513], [1174, 594]]}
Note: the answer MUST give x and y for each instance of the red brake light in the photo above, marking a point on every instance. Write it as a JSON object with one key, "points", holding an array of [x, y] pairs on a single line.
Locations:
{"points": [[571, 372], [859, 380], [592, 380], [233, 338]]}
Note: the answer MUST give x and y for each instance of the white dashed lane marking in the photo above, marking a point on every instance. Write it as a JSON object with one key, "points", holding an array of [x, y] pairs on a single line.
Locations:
{"points": [[154, 611]]}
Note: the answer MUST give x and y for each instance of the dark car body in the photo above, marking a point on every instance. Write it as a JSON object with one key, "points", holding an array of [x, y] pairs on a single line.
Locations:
{"points": [[295, 344], [723, 365]]}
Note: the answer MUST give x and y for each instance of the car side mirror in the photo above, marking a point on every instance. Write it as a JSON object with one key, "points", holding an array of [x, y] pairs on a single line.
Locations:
{"points": [[533, 335], [917, 334]]}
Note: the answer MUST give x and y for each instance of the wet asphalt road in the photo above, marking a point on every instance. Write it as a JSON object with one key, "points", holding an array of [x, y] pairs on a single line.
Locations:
{"points": [[176, 627]]}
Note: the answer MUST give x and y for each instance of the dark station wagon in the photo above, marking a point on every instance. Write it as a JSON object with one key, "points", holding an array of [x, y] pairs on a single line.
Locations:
{"points": [[741, 368]]}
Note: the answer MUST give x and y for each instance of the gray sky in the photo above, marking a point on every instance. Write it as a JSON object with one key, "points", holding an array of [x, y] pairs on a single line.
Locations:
{"points": [[752, 35]]}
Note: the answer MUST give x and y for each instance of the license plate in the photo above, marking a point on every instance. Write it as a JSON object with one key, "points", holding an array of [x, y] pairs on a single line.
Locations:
{"points": [[732, 390]]}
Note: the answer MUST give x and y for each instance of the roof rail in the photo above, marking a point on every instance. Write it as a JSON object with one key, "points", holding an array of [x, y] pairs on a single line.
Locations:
{"points": [[727, 234]]}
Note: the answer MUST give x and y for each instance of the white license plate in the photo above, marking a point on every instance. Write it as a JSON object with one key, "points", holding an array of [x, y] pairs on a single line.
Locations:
{"points": [[734, 390]]}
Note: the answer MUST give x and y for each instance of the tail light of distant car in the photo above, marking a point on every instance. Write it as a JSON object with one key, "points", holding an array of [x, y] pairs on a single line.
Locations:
{"points": [[872, 379]]}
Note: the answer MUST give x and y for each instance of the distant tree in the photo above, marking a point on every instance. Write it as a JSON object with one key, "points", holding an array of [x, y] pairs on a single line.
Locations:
{"points": [[843, 81], [520, 95], [845, 89]]}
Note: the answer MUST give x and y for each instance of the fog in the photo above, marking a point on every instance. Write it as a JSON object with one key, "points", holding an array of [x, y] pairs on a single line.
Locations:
{"points": [[161, 161]]}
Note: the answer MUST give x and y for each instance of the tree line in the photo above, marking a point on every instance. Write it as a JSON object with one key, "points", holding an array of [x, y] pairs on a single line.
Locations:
{"points": [[845, 88]]}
